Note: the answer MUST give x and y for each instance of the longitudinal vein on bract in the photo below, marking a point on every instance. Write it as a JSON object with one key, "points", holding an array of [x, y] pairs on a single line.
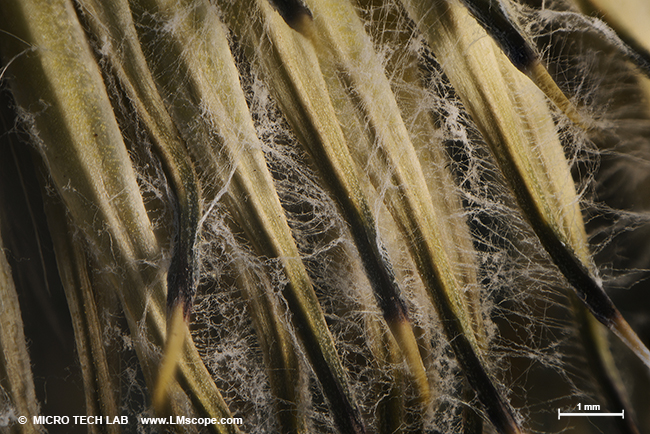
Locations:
{"points": [[342, 46], [564, 240], [496, 20], [83, 148], [112, 25], [17, 379], [209, 108], [303, 96], [72, 263], [523, 139]]}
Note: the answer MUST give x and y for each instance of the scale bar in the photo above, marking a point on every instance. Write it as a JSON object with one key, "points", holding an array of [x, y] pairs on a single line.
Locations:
{"points": [[560, 414]]}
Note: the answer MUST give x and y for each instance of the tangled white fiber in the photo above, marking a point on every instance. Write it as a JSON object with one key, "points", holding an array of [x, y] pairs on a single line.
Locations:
{"points": [[342, 216]]}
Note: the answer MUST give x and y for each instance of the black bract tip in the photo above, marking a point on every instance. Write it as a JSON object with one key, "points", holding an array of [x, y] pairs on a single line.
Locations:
{"points": [[292, 11], [181, 280], [499, 26]]}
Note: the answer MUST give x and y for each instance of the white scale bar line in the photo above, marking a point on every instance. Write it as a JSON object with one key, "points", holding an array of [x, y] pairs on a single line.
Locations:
{"points": [[560, 414]]}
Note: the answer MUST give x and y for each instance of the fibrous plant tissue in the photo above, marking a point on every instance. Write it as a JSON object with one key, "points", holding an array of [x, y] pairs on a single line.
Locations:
{"points": [[347, 216]]}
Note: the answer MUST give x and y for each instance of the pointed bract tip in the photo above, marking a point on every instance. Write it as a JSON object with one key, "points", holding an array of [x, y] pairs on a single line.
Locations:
{"points": [[622, 329], [543, 80], [176, 332], [403, 332]]}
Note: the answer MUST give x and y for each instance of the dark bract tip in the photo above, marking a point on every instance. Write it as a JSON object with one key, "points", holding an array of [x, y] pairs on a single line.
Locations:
{"points": [[292, 11], [501, 28]]}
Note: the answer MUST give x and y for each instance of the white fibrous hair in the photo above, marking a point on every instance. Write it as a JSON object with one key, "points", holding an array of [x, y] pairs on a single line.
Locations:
{"points": [[372, 108]]}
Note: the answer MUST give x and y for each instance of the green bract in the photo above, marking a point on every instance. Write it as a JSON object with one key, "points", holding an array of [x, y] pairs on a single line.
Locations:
{"points": [[296, 216]]}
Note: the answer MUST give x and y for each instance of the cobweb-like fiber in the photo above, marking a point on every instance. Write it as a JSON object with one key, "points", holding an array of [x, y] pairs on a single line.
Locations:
{"points": [[533, 349]]}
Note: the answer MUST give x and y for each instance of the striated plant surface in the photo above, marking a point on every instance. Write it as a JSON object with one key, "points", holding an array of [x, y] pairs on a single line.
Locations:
{"points": [[299, 216]]}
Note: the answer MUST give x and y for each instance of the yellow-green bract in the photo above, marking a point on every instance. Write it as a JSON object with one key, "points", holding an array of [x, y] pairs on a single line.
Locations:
{"points": [[386, 220]]}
